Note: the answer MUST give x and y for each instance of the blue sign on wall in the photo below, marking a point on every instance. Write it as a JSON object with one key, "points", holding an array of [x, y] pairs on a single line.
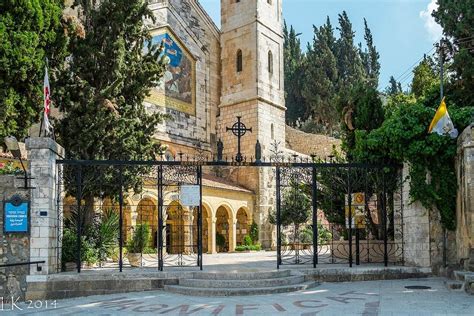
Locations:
{"points": [[15, 217]]}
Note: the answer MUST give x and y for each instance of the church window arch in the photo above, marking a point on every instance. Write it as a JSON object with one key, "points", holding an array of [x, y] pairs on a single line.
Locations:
{"points": [[270, 62], [239, 61]]}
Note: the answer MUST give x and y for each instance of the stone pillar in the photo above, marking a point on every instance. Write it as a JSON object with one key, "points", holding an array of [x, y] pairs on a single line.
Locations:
{"points": [[45, 220], [465, 199], [209, 235], [416, 228], [232, 234], [213, 235]]}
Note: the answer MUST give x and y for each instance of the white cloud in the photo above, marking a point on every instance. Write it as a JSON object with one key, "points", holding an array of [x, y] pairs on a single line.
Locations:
{"points": [[434, 29]]}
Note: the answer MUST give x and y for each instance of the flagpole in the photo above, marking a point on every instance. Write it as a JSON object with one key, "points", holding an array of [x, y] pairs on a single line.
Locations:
{"points": [[441, 92]]}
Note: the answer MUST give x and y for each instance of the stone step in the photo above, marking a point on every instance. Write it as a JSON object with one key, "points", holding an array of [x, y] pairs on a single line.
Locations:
{"points": [[256, 283], [241, 275], [454, 285], [192, 291]]}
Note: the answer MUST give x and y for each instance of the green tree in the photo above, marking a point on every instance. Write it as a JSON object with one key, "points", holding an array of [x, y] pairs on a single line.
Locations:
{"points": [[319, 87], [425, 78], [349, 64], [370, 58], [457, 20], [363, 112], [111, 71], [394, 87], [30, 31], [294, 76]]}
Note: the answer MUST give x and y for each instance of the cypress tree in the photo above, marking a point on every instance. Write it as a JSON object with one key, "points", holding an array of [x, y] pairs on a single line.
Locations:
{"points": [[294, 76], [319, 88]]}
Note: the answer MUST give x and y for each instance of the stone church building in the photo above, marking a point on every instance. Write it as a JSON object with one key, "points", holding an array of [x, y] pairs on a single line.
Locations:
{"points": [[214, 75]]}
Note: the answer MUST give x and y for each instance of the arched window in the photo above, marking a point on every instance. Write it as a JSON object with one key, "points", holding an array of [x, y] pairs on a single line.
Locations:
{"points": [[239, 60], [270, 62], [272, 131]]}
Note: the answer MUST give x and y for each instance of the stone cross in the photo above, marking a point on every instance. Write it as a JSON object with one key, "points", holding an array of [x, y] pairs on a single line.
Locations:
{"points": [[239, 129]]}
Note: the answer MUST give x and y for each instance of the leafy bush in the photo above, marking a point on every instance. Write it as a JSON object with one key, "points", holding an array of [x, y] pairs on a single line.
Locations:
{"points": [[256, 247], [69, 245], [108, 228], [254, 232], [9, 168], [247, 241], [139, 240], [150, 251]]}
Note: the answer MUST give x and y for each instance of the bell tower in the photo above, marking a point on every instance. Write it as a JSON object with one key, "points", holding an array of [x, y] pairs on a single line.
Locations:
{"points": [[252, 88]]}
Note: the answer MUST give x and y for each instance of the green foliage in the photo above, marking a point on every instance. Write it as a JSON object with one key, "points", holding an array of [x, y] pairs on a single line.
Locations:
{"points": [[457, 20], [294, 76], [108, 232], [425, 78], [324, 234], [256, 247], [330, 68], [296, 205], [9, 168], [394, 87], [247, 241], [220, 240], [321, 76], [140, 238], [30, 31], [69, 247], [363, 111], [402, 138], [254, 232], [111, 71]]}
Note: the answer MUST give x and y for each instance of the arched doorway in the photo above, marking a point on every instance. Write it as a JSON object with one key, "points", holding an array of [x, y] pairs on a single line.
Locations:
{"points": [[223, 229], [147, 214], [205, 230], [242, 226]]}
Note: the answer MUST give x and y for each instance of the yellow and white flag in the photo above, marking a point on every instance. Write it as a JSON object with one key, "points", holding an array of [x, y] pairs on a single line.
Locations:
{"points": [[442, 123]]}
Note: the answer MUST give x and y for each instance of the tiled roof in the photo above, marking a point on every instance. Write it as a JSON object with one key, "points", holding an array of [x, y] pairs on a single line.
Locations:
{"points": [[221, 183]]}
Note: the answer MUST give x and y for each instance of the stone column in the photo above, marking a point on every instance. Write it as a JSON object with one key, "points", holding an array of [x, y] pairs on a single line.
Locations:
{"points": [[45, 220], [465, 199], [213, 248], [232, 234]]}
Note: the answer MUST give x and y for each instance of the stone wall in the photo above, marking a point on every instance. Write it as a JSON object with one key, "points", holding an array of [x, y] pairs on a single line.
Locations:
{"points": [[465, 199], [422, 232], [308, 144], [14, 248]]}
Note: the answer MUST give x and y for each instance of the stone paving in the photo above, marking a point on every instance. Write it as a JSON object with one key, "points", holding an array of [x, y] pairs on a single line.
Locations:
{"points": [[355, 298]]}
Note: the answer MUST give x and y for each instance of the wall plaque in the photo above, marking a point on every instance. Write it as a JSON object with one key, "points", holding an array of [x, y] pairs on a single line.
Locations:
{"points": [[16, 215]]}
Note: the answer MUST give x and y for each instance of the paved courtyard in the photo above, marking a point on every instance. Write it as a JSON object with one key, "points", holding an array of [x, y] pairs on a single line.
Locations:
{"points": [[356, 298]]}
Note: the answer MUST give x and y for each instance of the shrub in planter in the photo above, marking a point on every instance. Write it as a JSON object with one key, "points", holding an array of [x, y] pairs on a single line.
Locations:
{"points": [[137, 244], [68, 250], [254, 232], [247, 241]]}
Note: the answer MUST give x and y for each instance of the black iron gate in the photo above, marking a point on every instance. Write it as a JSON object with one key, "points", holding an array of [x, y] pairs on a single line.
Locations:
{"points": [[325, 212], [98, 228], [338, 213]]}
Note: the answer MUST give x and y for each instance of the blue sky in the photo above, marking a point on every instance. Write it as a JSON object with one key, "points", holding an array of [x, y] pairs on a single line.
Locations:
{"points": [[402, 29]]}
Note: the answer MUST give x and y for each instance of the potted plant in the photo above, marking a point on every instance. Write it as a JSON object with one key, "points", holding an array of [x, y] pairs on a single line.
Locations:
{"points": [[137, 244]]}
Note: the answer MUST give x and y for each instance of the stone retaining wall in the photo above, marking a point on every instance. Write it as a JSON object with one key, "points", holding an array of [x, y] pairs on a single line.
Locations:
{"points": [[13, 248], [308, 144]]}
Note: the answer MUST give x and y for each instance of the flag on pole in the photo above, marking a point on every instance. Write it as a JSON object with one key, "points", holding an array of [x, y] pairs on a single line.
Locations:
{"points": [[47, 101], [442, 123]]}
